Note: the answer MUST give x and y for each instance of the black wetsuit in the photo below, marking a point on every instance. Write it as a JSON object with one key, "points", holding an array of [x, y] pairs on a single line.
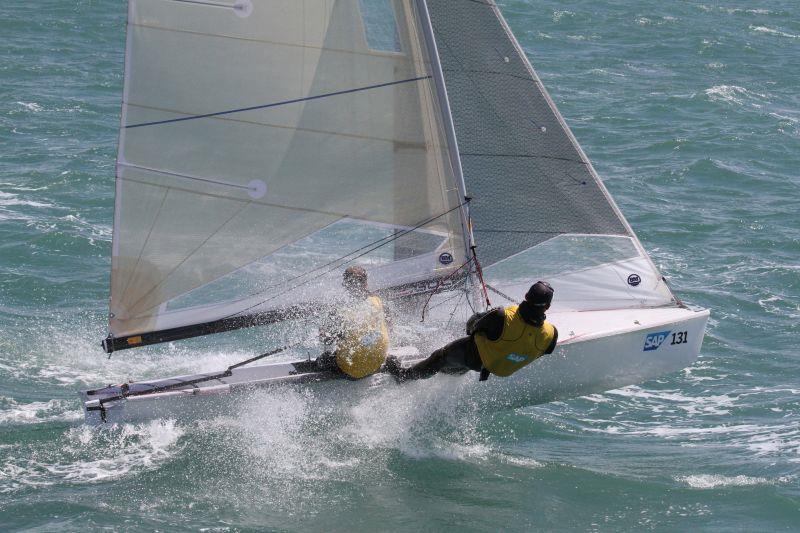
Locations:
{"points": [[462, 354]]}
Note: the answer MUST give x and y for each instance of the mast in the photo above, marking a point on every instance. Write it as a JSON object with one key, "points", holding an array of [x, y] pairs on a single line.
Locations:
{"points": [[447, 120]]}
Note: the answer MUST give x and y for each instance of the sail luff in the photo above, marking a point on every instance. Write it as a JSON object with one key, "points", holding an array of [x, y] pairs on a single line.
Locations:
{"points": [[115, 237], [447, 117]]}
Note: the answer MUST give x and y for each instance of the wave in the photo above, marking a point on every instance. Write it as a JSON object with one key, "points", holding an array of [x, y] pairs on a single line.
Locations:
{"points": [[713, 481], [732, 94], [772, 31], [12, 412]]}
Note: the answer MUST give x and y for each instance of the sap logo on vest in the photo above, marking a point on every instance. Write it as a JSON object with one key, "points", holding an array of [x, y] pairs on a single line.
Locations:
{"points": [[654, 340], [516, 358]]}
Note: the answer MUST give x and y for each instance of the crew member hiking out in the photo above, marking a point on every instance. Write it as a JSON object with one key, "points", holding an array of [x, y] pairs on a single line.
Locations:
{"points": [[500, 341], [356, 336]]}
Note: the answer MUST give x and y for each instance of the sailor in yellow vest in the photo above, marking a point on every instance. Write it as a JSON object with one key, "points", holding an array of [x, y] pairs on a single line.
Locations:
{"points": [[500, 341], [356, 336]]}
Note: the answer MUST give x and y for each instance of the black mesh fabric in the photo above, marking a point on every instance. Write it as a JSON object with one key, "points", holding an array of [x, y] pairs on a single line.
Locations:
{"points": [[527, 179]]}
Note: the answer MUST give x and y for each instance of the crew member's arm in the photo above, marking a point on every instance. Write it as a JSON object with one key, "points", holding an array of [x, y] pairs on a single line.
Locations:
{"points": [[552, 344], [490, 323]]}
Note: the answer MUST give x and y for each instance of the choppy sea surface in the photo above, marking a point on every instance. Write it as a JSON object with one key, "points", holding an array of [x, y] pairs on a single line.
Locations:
{"points": [[690, 111]]}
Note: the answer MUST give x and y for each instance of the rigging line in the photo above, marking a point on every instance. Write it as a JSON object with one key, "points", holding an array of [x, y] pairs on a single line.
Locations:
{"points": [[191, 253], [299, 275], [458, 294], [232, 302], [391, 238], [504, 295], [455, 308], [144, 245], [479, 271], [439, 284], [277, 104]]}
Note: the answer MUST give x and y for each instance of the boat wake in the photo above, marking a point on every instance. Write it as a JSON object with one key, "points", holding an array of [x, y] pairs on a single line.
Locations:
{"points": [[83, 455]]}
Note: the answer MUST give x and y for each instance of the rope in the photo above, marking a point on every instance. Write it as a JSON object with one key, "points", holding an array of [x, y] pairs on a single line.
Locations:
{"points": [[340, 262], [439, 284], [479, 271]]}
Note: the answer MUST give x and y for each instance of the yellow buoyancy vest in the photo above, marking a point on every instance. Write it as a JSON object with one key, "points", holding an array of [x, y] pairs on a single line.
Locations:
{"points": [[365, 341], [518, 346]]}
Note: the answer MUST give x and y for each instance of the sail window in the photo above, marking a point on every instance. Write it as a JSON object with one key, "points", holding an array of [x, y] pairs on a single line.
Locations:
{"points": [[380, 25]]}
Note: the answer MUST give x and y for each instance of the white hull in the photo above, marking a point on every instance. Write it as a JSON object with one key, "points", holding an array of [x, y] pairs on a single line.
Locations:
{"points": [[613, 355]]}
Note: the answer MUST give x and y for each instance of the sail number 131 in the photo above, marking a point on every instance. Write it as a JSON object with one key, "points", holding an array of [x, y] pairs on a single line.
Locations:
{"points": [[680, 337]]}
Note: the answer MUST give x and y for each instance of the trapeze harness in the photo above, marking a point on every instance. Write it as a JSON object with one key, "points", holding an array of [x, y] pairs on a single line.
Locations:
{"points": [[518, 346], [365, 342]]}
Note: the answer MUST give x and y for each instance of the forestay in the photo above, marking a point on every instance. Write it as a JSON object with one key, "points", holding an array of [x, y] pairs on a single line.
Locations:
{"points": [[539, 209], [263, 145]]}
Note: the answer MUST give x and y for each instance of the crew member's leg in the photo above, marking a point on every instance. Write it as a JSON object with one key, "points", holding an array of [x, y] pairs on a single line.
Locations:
{"points": [[459, 354], [327, 361]]}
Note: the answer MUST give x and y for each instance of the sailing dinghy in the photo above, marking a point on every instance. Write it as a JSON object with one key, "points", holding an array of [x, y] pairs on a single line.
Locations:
{"points": [[266, 145]]}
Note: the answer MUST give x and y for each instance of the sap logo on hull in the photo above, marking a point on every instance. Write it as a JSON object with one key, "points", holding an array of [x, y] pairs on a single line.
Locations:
{"points": [[654, 340], [516, 358]]}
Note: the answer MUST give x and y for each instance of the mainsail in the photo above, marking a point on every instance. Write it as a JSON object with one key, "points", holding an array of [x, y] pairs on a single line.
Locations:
{"points": [[264, 145], [539, 210]]}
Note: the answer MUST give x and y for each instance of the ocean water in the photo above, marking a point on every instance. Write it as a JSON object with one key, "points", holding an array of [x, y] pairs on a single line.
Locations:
{"points": [[690, 111]]}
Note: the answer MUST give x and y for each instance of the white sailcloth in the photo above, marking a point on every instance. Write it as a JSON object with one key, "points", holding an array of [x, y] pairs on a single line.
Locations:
{"points": [[253, 131]]}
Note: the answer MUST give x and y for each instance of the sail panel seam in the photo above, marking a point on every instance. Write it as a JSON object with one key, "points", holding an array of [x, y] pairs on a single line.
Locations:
{"points": [[533, 156], [283, 127], [278, 104], [536, 232], [267, 41], [206, 3]]}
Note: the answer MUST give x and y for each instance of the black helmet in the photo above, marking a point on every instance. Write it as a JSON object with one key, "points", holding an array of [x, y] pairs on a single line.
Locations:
{"points": [[540, 294]]}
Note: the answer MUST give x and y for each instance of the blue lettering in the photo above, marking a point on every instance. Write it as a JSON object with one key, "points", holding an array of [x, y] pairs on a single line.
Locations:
{"points": [[654, 340]]}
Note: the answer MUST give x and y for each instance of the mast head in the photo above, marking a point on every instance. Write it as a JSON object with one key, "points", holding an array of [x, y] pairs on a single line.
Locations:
{"points": [[354, 280]]}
